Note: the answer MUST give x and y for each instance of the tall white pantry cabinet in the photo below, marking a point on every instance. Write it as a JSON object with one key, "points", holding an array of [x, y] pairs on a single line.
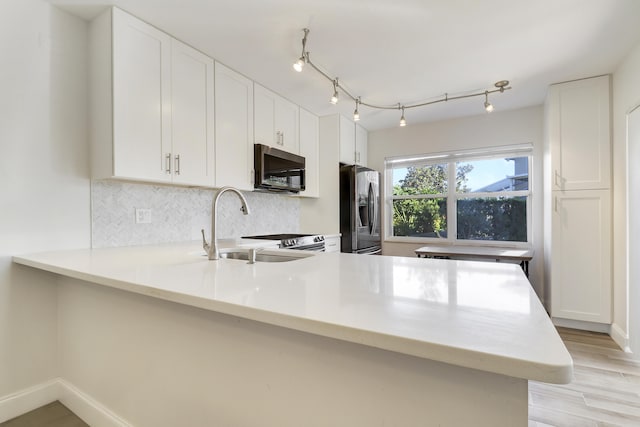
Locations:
{"points": [[578, 227]]}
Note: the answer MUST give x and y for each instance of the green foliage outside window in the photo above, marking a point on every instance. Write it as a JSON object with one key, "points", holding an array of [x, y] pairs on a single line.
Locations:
{"points": [[497, 218], [425, 217]]}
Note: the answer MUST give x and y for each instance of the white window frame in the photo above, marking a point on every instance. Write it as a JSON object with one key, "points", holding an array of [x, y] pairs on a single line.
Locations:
{"points": [[451, 158]]}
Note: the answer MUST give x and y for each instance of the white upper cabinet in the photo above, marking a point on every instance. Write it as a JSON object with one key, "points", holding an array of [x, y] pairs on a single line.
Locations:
{"points": [[579, 131], [152, 104], [276, 120], [141, 99], [234, 129], [353, 142], [347, 135], [192, 116], [362, 141], [309, 149]]}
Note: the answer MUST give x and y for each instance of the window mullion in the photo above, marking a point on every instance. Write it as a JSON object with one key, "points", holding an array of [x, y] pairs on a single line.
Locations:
{"points": [[452, 224]]}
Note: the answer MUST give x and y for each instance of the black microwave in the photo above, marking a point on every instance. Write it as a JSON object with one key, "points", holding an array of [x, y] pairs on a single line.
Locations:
{"points": [[278, 170]]}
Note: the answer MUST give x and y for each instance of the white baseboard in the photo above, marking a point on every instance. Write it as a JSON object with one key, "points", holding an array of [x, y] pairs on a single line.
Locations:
{"points": [[84, 406], [604, 328], [28, 399], [620, 337]]}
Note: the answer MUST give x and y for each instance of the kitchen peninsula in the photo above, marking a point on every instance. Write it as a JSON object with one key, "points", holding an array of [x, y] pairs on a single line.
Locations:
{"points": [[160, 335]]}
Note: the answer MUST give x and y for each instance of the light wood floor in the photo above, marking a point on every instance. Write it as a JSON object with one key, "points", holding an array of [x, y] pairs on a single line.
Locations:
{"points": [[54, 414], [605, 391]]}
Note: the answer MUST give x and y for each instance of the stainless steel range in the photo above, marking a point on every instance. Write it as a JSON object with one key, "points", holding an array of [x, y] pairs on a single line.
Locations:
{"points": [[302, 242]]}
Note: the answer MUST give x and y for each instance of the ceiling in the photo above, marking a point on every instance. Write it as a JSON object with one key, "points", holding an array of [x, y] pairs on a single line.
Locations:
{"points": [[400, 51]]}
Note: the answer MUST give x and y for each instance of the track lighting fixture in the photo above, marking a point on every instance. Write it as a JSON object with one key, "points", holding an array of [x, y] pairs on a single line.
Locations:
{"points": [[403, 122], [500, 86], [487, 105], [334, 98]]}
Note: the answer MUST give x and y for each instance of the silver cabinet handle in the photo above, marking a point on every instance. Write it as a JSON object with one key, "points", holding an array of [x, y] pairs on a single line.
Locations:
{"points": [[167, 163], [177, 165], [279, 138], [555, 203], [556, 175]]}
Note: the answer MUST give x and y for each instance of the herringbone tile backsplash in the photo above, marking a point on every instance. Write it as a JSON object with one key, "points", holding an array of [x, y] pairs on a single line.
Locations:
{"points": [[178, 214]]}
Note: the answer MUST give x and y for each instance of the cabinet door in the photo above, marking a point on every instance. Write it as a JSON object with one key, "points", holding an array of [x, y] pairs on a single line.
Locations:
{"points": [[309, 150], [276, 120], [332, 244], [287, 123], [141, 99], [347, 141], [192, 116], [361, 145], [579, 134], [265, 116], [234, 129], [580, 257]]}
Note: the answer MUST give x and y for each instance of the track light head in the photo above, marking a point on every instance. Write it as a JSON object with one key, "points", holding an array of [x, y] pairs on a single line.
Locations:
{"points": [[487, 105], [304, 56], [334, 98], [356, 113], [299, 64], [403, 121]]}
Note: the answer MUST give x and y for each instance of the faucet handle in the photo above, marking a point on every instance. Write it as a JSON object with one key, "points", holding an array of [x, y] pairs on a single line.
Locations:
{"points": [[205, 245]]}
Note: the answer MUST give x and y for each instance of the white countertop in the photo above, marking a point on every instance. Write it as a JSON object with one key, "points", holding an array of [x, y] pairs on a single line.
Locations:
{"points": [[478, 315]]}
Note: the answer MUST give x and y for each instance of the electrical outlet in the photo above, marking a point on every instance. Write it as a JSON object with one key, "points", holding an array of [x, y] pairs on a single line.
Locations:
{"points": [[143, 216]]}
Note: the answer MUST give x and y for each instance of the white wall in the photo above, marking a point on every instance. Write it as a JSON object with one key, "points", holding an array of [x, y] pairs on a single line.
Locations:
{"points": [[44, 185], [626, 307], [486, 130], [322, 215]]}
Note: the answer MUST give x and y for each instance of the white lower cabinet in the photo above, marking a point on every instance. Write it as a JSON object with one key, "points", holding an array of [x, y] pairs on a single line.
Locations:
{"points": [[234, 129], [581, 255], [332, 243]]}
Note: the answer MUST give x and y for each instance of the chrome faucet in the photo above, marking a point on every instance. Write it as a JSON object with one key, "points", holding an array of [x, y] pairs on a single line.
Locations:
{"points": [[212, 250]]}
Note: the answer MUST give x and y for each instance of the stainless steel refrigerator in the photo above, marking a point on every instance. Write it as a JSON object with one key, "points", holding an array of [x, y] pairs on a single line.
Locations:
{"points": [[360, 210]]}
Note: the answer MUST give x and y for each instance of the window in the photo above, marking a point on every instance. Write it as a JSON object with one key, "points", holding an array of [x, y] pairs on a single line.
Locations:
{"points": [[482, 197]]}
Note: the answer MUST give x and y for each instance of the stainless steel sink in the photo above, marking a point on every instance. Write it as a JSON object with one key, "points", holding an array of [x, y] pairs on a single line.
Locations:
{"points": [[265, 255]]}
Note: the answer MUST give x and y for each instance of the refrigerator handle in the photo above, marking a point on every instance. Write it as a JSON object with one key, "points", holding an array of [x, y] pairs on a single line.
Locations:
{"points": [[372, 209]]}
